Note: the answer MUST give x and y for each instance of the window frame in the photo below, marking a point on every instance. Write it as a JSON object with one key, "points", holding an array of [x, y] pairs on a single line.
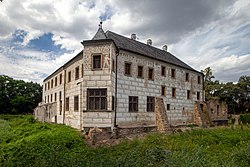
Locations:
{"points": [[55, 81], [198, 95], [69, 76], [94, 62], [76, 103], [168, 107], [150, 75], [133, 104], [60, 79], [173, 92], [173, 73], [163, 71], [128, 69], [187, 77], [199, 79], [92, 99], [140, 72], [163, 90], [77, 73], [150, 104], [188, 94], [67, 104]]}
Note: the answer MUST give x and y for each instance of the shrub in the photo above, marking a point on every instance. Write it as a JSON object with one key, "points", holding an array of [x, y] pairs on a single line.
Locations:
{"points": [[245, 119]]}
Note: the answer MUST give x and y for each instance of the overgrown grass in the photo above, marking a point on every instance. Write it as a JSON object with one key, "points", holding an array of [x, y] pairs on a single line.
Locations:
{"points": [[25, 142]]}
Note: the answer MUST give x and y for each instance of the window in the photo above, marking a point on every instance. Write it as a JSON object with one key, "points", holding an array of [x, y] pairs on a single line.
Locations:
{"points": [[113, 103], [77, 73], [198, 95], [60, 79], [76, 103], [188, 94], [113, 65], [51, 98], [56, 81], [163, 71], [48, 98], [172, 73], [174, 92], [67, 104], [60, 95], [140, 71], [97, 99], [45, 99], [128, 69], [150, 104], [51, 83], [199, 79], [96, 62], [163, 90], [60, 98], [82, 70], [55, 97], [133, 103], [150, 73], [69, 76], [45, 86], [48, 85], [187, 77], [168, 107]]}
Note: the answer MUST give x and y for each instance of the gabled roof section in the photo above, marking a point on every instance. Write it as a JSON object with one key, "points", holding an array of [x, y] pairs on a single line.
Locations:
{"points": [[100, 33], [128, 44]]}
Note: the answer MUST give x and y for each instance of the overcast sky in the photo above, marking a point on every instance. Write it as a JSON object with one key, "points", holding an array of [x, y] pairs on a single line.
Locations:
{"points": [[37, 37]]}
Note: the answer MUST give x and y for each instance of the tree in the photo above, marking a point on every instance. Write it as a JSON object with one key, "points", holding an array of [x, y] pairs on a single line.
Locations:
{"points": [[208, 74]]}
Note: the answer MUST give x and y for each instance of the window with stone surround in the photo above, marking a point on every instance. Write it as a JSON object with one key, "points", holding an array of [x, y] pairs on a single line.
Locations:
{"points": [[187, 77], [168, 107], [173, 73], [51, 83], [128, 68], [150, 73], [97, 99], [45, 99], [69, 76], [199, 79], [48, 98], [55, 97], [198, 95], [140, 72], [55, 81], [96, 62], [150, 104], [67, 104], [133, 103], [48, 85], [163, 90], [77, 71], [82, 70], [188, 94], [113, 65], [76, 103], [51, 97], [45, 86], [60, 79], [163, 71], [174, 92]]}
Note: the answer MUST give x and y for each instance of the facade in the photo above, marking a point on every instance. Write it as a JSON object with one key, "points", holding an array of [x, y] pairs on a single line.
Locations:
{"points": [[110, 67]]}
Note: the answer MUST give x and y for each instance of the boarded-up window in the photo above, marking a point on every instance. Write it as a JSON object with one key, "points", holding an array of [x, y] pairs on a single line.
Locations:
{"points": [[140, 71], [67, 104], [97, 99], [150, 73], [96, 62], [150, 104], [133, 103], [76, 103], [128, 69], [77, 71]]}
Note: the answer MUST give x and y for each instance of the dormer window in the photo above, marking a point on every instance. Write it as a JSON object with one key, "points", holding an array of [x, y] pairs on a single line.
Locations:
{"points": [[96, 62]]}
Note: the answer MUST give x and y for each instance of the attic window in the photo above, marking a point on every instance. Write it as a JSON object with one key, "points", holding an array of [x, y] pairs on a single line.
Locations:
{"points": [[96, 61]]}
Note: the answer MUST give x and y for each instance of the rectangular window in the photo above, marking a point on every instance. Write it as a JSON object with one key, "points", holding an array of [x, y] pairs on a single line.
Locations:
{"points": [[163, 90], [69, 76], [113, 103], [55, 97], [97, 99], [173, 73], [67, 104], [187, 77], [150, 104], [199, 79], [51, 83], [45, 99], [77, 71], [60, 95], [76, 103], [150, 73], [48, 85], [198, 95], [140, 72], [60, 107], [51, 98], [56, 81], [113, 65], [60, 79], [45, 86], [96, 60], [82, 70], [163, 71], [133, 103], [128, 69], [174, 92], [48, 98], [168, 107], [188, 94]]}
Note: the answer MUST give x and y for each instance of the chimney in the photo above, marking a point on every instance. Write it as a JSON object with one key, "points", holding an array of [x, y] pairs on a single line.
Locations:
{"points": [[149, 42], [165, 48], [133, 36]]}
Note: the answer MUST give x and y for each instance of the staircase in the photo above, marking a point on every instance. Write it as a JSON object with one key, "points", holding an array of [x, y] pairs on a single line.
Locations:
{"points": [[161, 115]]}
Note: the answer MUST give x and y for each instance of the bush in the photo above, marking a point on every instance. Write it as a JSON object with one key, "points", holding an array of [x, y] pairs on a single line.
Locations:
{"points": [[245, 119]]}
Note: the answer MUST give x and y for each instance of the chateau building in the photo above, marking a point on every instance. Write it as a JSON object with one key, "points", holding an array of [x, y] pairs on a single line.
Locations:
{"points": [[115, 80]]}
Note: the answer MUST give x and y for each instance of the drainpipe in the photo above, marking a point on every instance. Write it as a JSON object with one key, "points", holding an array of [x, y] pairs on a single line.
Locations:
{"points": [[116, 62], [64, 99]]}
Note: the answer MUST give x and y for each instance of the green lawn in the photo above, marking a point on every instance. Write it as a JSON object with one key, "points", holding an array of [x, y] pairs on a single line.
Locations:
{"points": [[25, 142]]}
